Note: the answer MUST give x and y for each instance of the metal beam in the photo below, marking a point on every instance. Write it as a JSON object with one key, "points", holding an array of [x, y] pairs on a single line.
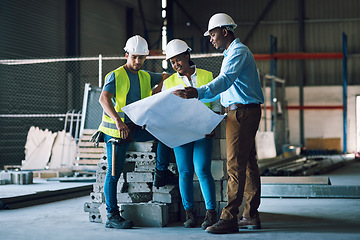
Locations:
{"points": [[301, 70], [258, 20], [310, 191], [192, 20]]}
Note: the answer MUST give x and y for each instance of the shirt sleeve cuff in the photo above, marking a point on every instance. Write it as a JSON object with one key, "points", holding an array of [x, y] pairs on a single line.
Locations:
{"points": [[200, 91]]}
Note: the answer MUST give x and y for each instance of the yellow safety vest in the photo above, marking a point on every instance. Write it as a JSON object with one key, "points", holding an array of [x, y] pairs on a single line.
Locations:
{"points": [[122, 86], [203, 77]]}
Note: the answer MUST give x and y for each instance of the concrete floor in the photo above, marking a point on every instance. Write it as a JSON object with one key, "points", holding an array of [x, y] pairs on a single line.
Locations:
{"points": [[286, 218]]}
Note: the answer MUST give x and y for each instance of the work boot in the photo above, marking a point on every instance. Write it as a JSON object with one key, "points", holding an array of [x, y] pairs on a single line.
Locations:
{"points": [[162, 178], [114, 220], [190, 218], [224, 226], [249, 223], [210, 219]]}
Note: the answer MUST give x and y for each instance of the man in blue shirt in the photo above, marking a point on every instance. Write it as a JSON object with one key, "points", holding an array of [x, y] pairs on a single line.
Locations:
{"points": [[241, 95]]}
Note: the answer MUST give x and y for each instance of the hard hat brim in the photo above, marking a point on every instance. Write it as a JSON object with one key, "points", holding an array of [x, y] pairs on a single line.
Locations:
{"points": [[175, 54], [208, 34]]}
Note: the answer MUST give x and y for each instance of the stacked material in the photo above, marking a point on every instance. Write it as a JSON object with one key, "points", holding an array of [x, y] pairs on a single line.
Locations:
{"points": [[16, 177], [135, 191], [146, 205]]}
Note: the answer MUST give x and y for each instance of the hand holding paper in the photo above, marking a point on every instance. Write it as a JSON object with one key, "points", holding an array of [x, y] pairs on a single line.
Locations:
{"points": [[171, 119]]}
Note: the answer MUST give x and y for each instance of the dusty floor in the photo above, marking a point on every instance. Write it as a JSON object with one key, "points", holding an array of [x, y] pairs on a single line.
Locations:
{"points": [[286, 218]]}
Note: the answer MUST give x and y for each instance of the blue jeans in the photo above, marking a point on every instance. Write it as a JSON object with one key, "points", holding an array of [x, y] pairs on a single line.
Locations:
{"points": [[110, 186], [196, 156]]}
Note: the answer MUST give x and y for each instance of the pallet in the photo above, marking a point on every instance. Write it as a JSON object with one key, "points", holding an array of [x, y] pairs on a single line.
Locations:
{"points": [[87, 155], [52, 173]]}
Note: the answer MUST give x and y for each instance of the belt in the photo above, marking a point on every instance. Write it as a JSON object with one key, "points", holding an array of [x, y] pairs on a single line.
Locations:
{"points": [[239, 105]]}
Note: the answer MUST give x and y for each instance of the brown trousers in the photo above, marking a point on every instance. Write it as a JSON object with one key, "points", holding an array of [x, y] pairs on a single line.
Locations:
{"points": [[244, 177]]}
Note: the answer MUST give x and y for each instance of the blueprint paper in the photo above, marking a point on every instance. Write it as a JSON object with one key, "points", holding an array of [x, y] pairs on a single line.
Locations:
{"points": [[173, 120]]}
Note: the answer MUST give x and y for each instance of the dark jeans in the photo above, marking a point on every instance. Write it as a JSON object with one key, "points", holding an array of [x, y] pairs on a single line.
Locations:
{"points": [[244, 178]]}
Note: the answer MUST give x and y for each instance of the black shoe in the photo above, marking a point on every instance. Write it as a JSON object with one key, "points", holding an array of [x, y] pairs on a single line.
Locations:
{"points": [[162, 178], [224, 226], [210, 219], [114, 220], [190, 218]]}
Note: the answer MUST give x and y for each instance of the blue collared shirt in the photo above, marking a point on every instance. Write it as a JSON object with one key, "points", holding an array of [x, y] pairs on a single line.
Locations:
{"points": [[238, 81]]}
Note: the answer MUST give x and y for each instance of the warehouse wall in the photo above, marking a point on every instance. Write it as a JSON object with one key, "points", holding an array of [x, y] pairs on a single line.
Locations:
{"points": [[40, 29], [324, 120]]}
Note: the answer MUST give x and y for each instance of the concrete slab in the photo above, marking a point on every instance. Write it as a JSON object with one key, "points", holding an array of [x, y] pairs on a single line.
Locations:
{"points": [[282, 219]]}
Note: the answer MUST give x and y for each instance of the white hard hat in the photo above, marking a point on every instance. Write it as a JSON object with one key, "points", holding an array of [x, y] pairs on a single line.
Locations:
{"points": [[137, 45], [220, 20], [175, 47]]}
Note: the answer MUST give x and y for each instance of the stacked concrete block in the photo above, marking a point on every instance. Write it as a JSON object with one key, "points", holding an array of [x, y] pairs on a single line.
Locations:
{"points": [[134, 190], [146, 214], [16, 177], [170, 196], [146, 205]]}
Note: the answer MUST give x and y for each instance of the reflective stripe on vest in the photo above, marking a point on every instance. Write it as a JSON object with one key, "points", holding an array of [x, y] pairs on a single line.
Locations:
{"points": [[203, 77], [122, 86]]}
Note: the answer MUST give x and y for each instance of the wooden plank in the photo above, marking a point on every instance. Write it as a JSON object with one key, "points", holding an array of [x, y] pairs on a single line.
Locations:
{"points": [[296, 180], [91, 150], [89, 155], [88, 131], [87, 161], [89, 144]]}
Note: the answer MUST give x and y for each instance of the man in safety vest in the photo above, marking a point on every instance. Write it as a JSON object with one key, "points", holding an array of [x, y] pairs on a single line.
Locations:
{"points": [[123, 86]]}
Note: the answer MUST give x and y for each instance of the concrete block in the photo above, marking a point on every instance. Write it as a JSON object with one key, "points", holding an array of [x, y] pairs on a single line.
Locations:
{"points": [[167, 189], [218, 190], [219, 150], [100, 178], [134, 197], [143, 146], [145, 166], [134, 187], [165, 198], [98, 187], [97, 197], [218, 169], [103, 212], [95, 217], [198, 197], [146, 214], [91, 207], [102, 167], [5, 177], [224, 191], [139, 177], [220, 130], [136, 156], [21, 177]]}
